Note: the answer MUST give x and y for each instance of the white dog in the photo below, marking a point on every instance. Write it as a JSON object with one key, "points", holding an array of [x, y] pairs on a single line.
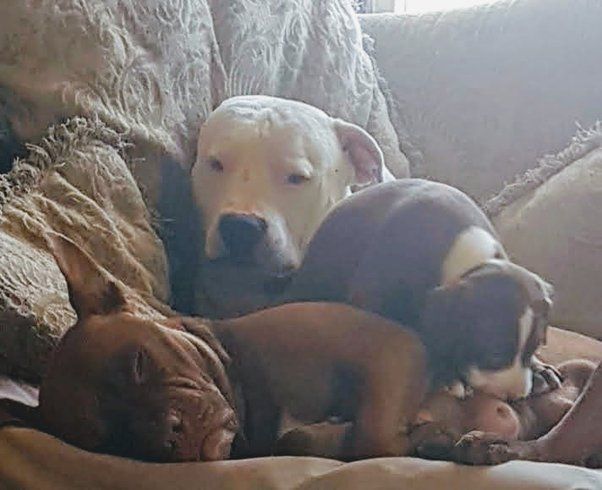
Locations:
{"points": [[267, 172]]}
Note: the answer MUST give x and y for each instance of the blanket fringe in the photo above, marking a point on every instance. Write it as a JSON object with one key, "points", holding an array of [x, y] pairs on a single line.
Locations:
{"points": [[584, 141], [52, 151]]}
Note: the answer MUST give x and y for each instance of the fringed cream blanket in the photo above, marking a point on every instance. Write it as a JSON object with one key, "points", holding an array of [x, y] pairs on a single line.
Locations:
{"points": [[76, 182], [156, 69]]}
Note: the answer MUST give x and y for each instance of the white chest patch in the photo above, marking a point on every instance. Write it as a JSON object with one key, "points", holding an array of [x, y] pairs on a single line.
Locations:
{"points": [[472, 247]]}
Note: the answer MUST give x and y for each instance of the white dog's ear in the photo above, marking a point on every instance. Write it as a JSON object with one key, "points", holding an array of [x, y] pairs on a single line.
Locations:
{"points": [[362, 151]]}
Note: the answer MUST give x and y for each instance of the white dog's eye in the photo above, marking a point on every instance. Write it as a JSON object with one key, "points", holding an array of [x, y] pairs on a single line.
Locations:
{"points": [[216, 165], [297, 179]]}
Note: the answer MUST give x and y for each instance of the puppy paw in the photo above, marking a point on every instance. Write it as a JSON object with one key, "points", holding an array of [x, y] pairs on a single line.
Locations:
{"points": [[482, 448], [326, 440], [433, 441], [546, 378]]}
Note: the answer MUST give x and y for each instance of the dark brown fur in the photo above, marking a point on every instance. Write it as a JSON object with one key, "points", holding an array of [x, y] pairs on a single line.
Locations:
{"points": [[383, 250]]}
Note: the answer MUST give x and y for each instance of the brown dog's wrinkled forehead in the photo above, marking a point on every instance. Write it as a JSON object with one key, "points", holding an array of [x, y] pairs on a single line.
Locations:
{"points": [[102, 338], [121, 345]]}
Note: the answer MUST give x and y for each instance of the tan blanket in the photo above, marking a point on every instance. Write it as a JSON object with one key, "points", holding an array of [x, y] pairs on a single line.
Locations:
{"points": [[75, 182]]}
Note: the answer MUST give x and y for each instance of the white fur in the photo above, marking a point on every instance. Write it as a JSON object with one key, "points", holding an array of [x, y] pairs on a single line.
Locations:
{"points": [[260, 141], [515, 381], [471, 248]]}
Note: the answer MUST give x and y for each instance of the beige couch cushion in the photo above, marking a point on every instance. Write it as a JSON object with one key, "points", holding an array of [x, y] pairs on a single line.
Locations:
{"points": [[485, 91], [75, 182], [550, 221]]}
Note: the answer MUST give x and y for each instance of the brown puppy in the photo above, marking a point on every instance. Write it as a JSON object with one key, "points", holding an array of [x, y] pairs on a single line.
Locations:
{"points": [[423, 254], [166, 392], [575, 439], [446, 424]]}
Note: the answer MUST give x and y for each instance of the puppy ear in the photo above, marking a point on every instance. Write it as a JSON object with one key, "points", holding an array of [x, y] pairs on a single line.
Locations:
{"points": [[91, 292], [442, 321], [362, 151], [446, 326]]}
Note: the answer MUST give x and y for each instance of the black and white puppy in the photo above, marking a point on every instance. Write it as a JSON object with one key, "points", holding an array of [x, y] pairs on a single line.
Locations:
{"points": [[424, 254]]}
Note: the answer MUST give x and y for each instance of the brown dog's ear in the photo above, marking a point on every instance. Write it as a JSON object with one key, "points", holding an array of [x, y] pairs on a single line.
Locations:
{"points": [[362, 151], [91, 292]]}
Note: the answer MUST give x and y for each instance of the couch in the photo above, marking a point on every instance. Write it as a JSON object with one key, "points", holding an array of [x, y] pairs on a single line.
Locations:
{"points": [[503, 101], [484, 98]]}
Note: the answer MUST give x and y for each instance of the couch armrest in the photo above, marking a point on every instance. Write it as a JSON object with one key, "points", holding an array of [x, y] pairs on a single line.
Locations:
{"points": [[484, 91]]}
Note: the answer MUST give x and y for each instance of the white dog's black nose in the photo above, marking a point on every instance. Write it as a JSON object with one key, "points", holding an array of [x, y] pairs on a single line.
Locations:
{"points": [[240, 234]]}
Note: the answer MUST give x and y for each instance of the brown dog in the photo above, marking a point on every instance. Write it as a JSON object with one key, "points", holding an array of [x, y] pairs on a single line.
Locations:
{"points": [[167, 392]]}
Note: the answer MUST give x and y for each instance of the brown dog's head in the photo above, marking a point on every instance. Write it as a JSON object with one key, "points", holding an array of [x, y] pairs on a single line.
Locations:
{"points": [[486, 327], [129, 386]]}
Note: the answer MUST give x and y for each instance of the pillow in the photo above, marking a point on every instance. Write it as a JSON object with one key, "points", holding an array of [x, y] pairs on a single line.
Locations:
{"points": [[75, 182], [549, 220]]}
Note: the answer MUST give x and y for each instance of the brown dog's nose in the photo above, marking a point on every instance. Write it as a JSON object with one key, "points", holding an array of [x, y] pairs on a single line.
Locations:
{"points": [[240, 234], [175, 440], [175, 424]]}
